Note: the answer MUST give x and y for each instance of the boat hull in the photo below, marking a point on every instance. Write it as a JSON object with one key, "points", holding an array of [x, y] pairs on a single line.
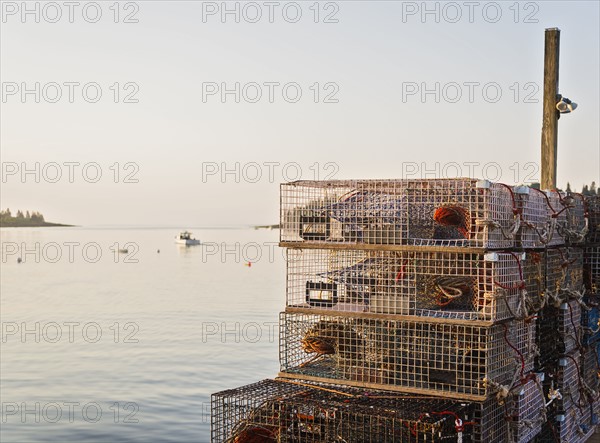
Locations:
{"points": [[190, 242]]}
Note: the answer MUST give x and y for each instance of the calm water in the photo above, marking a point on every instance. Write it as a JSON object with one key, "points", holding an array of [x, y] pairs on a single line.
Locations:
{"points": [[168, 330]]}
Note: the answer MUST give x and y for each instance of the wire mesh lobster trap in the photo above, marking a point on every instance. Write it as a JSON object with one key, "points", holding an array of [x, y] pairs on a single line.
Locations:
{"points": [[435, 358], [571, 384], [569, 426], [549, 218], [592, 205], [569, 326], [459, 212], [559, 332], [553, 277], [590, 324], [592, 269], [492, 424], [571, 225], [573, 409], [284, 411], [564, 268], [431, 284], [526, 410], [536, 226], [590, 368]]}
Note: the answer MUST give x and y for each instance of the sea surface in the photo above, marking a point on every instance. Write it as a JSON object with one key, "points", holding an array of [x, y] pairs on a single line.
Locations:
{"points": [[102, 346]]}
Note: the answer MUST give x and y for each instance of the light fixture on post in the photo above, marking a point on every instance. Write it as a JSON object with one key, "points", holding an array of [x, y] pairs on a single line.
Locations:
{"points": [[564, 105]]}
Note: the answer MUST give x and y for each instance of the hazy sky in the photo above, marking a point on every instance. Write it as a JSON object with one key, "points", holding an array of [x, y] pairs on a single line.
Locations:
{"points": [[365, 64]]}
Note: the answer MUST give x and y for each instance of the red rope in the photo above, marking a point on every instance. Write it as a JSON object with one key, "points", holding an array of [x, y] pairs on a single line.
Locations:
{"points": [[514, 349], [586, 206], [521, 284], [566, 261], [512, 196], [400, 274], [459, 425], [579, 347], [555, 213], [581, 391], [547, 200]]}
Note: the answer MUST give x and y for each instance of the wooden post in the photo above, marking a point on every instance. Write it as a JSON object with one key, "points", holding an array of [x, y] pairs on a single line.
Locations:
{"points": [[550, 122]]}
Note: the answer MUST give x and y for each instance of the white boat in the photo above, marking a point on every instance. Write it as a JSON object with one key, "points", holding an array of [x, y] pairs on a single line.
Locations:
{"points": [[185, 238]]}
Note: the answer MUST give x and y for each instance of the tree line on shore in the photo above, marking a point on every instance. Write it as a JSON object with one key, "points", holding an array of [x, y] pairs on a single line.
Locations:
{"points": [[586, 190], [24, 219], [34, 216]]}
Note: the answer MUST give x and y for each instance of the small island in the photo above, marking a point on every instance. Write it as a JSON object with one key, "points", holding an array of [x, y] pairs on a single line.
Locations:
{"points": [[27, 220], [277, 226]]}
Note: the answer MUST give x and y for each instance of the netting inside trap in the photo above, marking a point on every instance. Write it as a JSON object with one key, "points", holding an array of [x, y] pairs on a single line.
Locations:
{"points": [[460, 212], [429, 284], [415, 356], [280, 411]]}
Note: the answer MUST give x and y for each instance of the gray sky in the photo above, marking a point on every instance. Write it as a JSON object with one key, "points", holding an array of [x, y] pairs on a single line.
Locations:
{"points": [[365, 64]]}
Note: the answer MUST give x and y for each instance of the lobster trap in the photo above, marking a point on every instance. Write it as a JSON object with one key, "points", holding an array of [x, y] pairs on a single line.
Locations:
{"points": [[590, 325], [571, 225], [491, 417], [570, 382], [536, 227], [549, 218], [569, 426], [287, 411], [592, 204], [526, 410], [435, 358], [436, 212], [592, 270], [590, 367], [452, 285], [564, 270], [573, 409], [559, 332], [556, 275]]}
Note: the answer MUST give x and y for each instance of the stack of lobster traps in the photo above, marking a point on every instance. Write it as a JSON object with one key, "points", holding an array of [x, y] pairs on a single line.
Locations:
{"points": [[568, 326], [414, 313]]}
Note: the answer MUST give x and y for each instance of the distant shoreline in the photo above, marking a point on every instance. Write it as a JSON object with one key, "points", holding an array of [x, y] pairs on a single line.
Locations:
{"points": [[12, 224]]}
